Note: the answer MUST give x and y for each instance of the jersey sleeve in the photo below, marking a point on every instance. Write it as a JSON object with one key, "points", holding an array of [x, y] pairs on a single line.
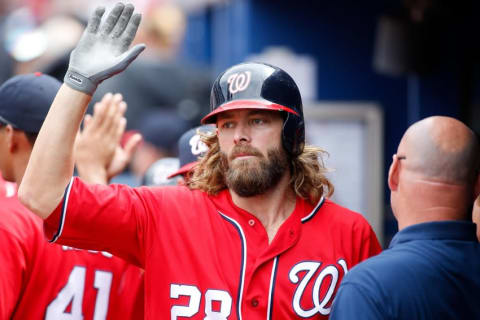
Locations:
{"points": [[352, 302], [108, 218]]}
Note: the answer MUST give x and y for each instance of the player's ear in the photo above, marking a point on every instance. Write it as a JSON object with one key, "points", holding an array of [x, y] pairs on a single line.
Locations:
{"points": [[10, 138], [393, 174], [17, 140]]}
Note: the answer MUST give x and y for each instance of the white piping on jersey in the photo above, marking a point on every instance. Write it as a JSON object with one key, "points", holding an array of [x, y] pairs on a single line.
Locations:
{"points": [[244, 262], [315, 210], [271, 290], [64, 211]]}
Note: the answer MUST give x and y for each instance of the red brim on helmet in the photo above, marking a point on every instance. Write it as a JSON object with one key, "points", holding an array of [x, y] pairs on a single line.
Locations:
{"points": [[245, 104], [183, 170]]}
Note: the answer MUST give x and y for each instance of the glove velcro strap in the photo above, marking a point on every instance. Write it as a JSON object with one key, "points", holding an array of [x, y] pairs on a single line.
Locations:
{"points": [[79, 82]]}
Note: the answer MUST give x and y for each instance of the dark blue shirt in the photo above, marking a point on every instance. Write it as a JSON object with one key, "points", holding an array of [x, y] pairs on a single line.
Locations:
{"points": [[430, 271]]}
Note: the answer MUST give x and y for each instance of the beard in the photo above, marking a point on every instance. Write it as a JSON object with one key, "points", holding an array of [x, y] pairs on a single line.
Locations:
{"points": [[254, 176]]}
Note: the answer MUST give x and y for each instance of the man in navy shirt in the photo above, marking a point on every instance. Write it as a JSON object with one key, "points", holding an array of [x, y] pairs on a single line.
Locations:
{"points": [[432, 268]]}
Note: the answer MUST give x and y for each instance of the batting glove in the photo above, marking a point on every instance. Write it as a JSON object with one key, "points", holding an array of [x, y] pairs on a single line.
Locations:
{"points": [[103, 48]]}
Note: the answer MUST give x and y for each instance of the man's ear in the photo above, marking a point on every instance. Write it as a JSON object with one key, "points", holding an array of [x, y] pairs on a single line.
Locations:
{"points": [[393, 174], [476, 189]]}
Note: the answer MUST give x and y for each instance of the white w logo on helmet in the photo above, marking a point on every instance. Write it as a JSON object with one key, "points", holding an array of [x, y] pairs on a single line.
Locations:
{"points": [[197, 146], [239, 81]]}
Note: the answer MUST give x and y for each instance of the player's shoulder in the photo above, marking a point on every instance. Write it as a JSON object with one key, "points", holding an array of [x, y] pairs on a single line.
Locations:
{"points": [[175, 199], [337, 214], [17, 220], [172, 193], [13, 213]]}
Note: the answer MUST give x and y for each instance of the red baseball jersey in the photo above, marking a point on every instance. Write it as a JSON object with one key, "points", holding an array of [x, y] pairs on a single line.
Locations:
{"points": [[206, 258], [7, 189], [41, 280]]}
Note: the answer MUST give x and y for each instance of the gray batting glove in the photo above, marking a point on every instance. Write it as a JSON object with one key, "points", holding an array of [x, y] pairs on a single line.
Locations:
{"points": [[103, 49]]}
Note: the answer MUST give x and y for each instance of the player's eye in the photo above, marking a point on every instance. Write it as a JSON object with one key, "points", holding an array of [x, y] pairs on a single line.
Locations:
{"points": [[258, 121], [227, 125]]}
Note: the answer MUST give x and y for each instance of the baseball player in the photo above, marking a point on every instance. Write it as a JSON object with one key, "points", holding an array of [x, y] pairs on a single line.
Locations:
{"points": [[41, 280], [190, 148], [176, 171], [253, 236], [430, 270]]}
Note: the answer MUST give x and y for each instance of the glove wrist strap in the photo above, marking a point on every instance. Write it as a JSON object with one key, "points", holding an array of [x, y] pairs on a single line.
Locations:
{"points": [[79, 82]]}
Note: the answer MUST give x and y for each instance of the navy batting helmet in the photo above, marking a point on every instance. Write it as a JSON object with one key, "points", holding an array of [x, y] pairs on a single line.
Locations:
{"points": [[255, 85]]}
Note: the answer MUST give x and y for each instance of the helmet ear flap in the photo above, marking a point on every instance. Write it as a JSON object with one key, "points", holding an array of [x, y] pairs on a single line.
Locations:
{"points": [[293, 134]]}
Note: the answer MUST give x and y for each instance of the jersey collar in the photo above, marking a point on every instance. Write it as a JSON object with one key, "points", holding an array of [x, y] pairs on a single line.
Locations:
{"points": [[438, 230]]}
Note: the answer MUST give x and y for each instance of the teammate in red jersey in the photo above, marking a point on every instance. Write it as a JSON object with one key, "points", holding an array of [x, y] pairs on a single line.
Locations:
{"points": [[252, 236], [41, 280]]}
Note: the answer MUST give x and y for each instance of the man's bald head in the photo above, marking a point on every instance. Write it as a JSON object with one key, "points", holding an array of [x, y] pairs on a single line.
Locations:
{"points": [[441, 149]]}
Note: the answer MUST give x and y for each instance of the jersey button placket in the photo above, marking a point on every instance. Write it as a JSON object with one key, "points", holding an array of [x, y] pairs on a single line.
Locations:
{"points": [[254, 302], [251, 222], [291, 233]]}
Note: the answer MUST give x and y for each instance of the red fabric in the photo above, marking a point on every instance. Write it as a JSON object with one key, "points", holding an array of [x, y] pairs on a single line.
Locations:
{"points": [[7, 189], [246, 104], [190, 245], [34, 273]]}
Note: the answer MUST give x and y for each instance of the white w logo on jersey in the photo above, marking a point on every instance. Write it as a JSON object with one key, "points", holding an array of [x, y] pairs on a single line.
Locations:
{"points": [[239, 81], [311, 268]]}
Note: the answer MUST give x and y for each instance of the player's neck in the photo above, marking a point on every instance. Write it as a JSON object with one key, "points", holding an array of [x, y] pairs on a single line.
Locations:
{"points": [[19, 166], [271, 208]]}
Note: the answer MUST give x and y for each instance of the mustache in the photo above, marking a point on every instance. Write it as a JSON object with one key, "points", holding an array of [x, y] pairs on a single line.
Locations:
{"points": [[244, 150]]}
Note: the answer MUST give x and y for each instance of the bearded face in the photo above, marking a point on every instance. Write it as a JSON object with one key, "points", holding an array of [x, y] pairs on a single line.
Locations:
{"points": [[255, 174]]}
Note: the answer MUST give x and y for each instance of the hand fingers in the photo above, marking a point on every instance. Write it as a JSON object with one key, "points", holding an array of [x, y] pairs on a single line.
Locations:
{"points": [[133, 53], [132, 143], [95, 19], [120, 129], [87, 121], [112, 19], [77, 138], [123, 21], [100, 110], [115, 111], [130, 31]]}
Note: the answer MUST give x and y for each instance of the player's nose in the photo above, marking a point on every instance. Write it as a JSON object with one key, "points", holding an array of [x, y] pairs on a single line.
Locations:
{"points": [[241, 134]]}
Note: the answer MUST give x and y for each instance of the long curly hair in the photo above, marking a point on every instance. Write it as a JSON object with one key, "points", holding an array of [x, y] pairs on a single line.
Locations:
{"points": [[307, 171]]}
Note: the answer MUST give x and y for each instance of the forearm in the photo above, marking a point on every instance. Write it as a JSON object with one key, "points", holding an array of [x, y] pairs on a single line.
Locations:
{"points": [[52, 160], [102, 51]]}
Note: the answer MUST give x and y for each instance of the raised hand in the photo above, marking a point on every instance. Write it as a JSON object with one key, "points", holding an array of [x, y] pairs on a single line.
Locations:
{"points": [[98, 154], [102, 51], [123, 155]]}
